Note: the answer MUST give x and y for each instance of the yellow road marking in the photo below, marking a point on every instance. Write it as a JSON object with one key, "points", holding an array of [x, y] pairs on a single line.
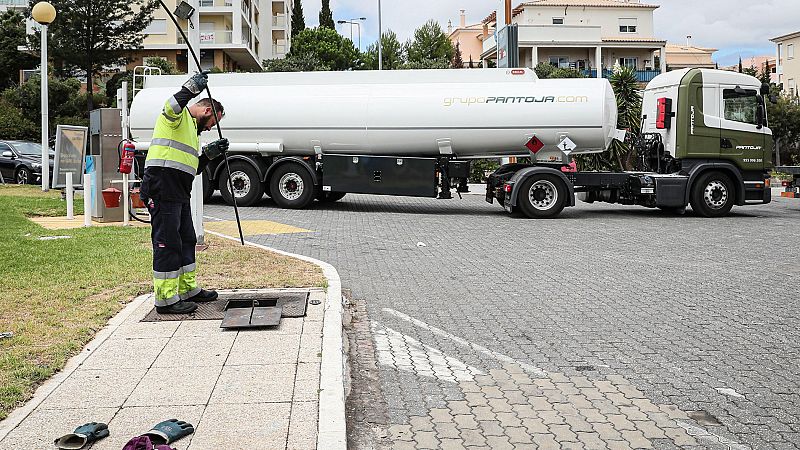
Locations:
{"points": [[252, 227]]}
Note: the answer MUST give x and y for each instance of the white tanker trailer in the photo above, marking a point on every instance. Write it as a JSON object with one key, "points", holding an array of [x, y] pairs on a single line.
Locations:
{"points": [[320, 135]]}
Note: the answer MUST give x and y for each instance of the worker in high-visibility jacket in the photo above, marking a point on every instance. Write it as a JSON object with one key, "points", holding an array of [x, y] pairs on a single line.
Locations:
{"points": [[173, 160]]}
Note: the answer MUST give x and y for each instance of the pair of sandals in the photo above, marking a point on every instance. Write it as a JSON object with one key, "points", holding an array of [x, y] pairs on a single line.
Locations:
{"points": [[158, 438]]}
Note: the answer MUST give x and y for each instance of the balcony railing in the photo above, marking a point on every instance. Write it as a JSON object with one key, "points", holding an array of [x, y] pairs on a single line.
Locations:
{"points": [[643, 76], [246, 10], [212, 37], [279, 20], [212, 3]]}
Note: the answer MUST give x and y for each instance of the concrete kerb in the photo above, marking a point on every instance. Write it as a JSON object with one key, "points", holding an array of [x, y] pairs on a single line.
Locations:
{"points": [[18, 415], [331, 424]]}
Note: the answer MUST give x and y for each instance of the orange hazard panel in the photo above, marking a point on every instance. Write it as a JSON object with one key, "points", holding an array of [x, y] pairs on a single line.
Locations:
{"points": [[789, 195]]}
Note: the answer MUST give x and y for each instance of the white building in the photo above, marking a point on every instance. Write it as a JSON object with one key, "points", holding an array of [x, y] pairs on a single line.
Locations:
{"points": [[234, 34], [586, 35]]}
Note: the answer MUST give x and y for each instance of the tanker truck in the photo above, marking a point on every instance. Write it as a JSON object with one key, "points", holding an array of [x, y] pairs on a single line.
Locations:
{"points": [[300, 137]]}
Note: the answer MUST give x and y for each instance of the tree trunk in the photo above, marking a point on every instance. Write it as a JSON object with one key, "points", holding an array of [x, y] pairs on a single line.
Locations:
{"points": [[89, 90]]}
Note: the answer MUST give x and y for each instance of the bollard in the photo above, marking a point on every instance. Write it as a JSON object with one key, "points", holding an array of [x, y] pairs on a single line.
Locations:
{"points": [[87, 200], [70, 197]]}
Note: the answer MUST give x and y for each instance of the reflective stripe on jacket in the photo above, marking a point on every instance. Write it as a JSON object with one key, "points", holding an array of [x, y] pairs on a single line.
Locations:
{"points": [[175, 142]]}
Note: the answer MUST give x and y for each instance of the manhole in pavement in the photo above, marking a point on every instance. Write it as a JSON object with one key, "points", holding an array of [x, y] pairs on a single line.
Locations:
{"points": [[293, 305], [585, 368], [704, 418]]}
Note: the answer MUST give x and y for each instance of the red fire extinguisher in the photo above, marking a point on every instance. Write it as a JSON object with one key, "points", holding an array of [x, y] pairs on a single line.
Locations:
{"points": [[126, 158]]}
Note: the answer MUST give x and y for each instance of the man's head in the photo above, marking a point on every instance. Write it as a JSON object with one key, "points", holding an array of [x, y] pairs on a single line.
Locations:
{"points": [[204, 113]]}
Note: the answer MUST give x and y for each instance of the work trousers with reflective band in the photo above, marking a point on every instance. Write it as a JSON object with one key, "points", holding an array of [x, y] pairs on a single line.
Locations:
{"points": [[174, 240]]}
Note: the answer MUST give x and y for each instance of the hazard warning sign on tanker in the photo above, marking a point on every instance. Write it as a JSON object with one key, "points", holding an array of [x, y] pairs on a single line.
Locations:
{"points": [[534, 145], [566, 145]]}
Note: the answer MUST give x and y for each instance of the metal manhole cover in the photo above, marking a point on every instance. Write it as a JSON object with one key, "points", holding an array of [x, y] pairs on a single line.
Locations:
{"points": [[293, 304]]}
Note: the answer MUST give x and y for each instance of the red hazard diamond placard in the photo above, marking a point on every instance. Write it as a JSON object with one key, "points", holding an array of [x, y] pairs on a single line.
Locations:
{"points": [[534, 145]]}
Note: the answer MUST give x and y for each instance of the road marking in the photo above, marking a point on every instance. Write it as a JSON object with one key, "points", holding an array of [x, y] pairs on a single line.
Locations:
{"points": [[708, 438], [491, 353], [405, 353], [729, 391], [252, 227]]}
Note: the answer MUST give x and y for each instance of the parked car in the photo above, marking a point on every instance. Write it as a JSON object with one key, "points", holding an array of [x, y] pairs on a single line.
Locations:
{"points": [[21, 162]]}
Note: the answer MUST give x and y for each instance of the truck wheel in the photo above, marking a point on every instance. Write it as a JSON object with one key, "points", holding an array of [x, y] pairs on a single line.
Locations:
{"points": [[542, 196], [330, 197], [291, 186], [208, 187], [246, 184], [713, 195]]}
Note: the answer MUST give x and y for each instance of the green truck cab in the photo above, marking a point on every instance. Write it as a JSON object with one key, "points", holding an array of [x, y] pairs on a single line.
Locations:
{"points": [[714, 130]]}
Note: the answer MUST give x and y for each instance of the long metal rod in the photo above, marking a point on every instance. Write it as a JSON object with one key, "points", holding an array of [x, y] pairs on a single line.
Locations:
{"points": [[214, 111], [45, 121]]}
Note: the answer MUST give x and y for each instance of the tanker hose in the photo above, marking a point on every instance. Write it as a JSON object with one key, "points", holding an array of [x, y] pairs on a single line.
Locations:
{"points": [[214, 111]]}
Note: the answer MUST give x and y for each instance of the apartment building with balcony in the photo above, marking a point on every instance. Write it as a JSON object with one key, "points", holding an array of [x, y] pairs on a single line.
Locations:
{"points": [[468, 38], [234, 34], [588, 35], [788, 62]]}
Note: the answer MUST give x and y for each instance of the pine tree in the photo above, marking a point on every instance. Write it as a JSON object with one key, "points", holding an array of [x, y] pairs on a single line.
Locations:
{"points": [[326, 16], [458, 62], [89, 35], [298, 21], [740, 65], [471, 64]]}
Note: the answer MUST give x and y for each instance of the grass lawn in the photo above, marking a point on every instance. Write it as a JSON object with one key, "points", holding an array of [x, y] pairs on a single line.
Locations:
{"points": [[55, 294]]}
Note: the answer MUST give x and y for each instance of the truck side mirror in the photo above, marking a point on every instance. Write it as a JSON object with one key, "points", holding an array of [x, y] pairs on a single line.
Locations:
{"points": [[764, 88], [773, 99], [760, 114]]}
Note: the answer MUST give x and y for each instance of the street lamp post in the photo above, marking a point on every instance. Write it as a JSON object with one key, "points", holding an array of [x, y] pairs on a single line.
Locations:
{"points": [[44, 14], [358, 24], [380, 51]]}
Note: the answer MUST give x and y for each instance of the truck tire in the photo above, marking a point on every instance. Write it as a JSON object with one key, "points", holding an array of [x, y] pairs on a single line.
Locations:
{"points": [[713, 194], [542, 196], [291, 186], [246, 184], [330, 197]]}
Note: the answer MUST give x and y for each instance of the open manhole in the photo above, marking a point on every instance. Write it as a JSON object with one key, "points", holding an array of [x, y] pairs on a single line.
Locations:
{"points": [[291, 304], [704, 418]]}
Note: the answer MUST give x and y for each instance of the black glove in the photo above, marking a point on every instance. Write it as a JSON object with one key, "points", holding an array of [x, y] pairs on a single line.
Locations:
{"points": [[83, 435], [197, 83], [216, 149]]}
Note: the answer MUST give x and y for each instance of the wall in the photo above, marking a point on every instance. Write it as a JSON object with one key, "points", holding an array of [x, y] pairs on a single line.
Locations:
{"points": [[606, 18]]}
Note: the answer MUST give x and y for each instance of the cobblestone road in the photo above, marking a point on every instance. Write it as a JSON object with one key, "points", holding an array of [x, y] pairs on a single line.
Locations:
{"points": [[609, 327]]}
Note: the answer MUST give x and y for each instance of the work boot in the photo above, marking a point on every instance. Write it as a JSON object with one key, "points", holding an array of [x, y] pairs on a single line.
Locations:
{"points": [[182, 307], [203, 296]]}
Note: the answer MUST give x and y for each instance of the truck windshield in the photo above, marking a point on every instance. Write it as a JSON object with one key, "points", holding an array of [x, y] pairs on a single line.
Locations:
{"points": [[740, 107]]}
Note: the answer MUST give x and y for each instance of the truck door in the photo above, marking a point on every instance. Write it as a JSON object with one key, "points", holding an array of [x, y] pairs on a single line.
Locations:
{"points": [[741, 140]]}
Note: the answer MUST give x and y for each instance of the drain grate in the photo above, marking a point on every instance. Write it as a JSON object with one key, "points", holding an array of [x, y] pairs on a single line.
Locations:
{"points": [[293, 304]]}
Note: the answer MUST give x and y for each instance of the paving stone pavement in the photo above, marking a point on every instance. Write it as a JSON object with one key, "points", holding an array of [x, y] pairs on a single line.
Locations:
{"points": [[609, 327]]}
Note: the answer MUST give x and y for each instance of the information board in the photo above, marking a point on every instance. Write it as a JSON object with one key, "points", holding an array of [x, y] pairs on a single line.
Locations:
{"points": [[71, 144]]}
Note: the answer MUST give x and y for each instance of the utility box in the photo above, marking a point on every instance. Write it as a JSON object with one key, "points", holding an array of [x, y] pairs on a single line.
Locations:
{"points": [[387, 175], [105, 134]]}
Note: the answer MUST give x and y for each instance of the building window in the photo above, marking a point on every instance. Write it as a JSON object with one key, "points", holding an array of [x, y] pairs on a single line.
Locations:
{"points": [[740, 107], [627, 25], [559, 61], [792, 87], [633, 63], [790, 51], [558, 21], [156, 26]]}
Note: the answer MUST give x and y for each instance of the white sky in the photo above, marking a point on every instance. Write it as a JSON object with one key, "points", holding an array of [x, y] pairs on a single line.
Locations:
{"points": [[736, 27]]}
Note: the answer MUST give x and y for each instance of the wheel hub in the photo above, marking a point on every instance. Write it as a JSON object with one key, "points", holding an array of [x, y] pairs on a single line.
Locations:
{"points": [[715, 194], [291, 186], [543, 195], [241, 184]]}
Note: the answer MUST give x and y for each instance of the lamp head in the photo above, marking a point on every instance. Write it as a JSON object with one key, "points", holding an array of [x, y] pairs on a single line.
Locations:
{"points": [[44, 13]]}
